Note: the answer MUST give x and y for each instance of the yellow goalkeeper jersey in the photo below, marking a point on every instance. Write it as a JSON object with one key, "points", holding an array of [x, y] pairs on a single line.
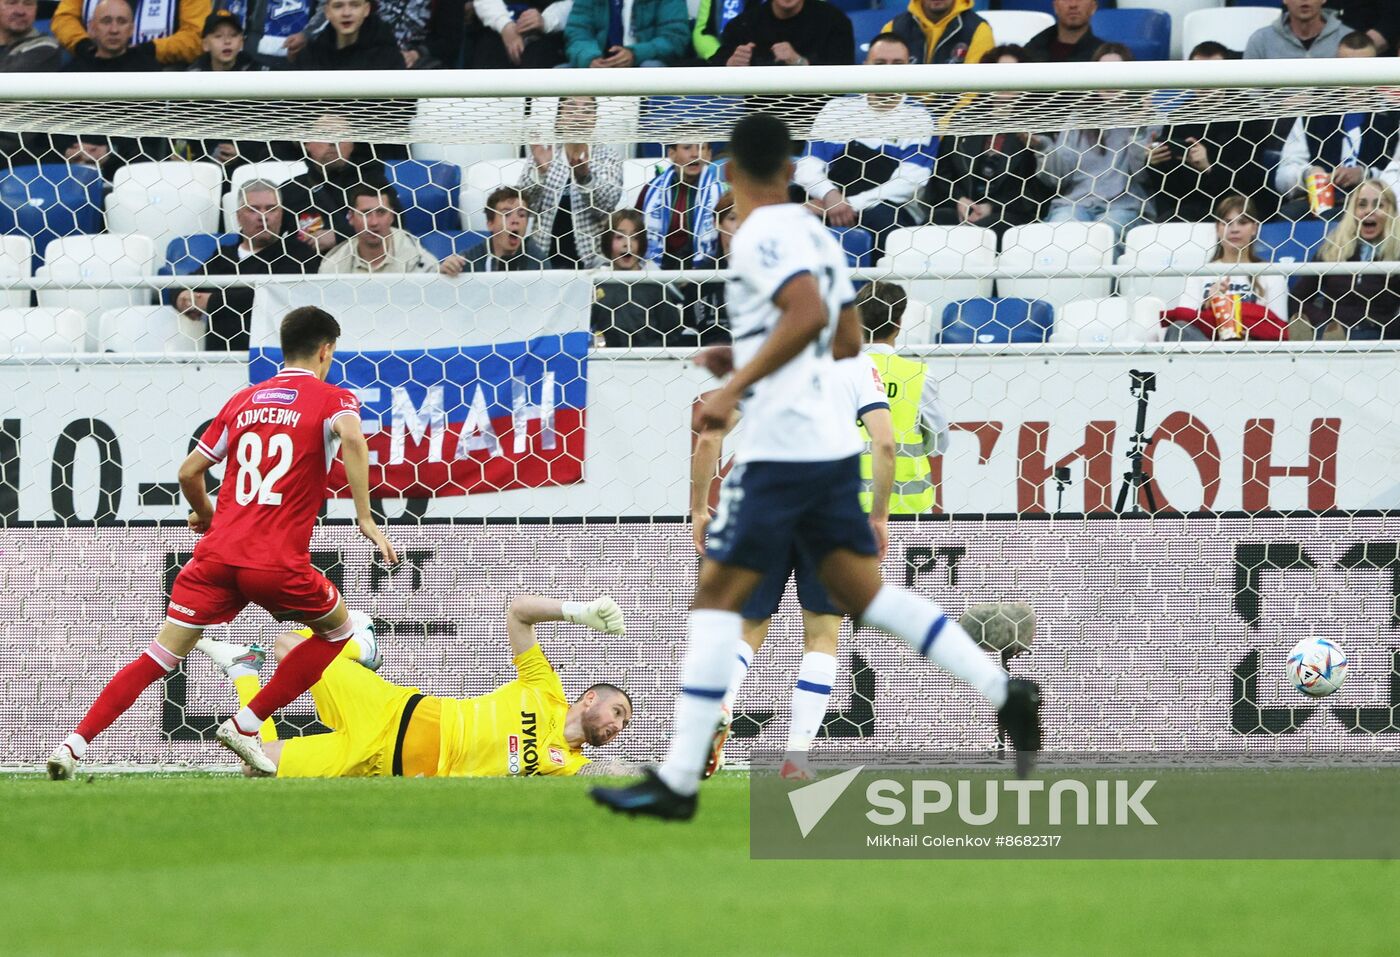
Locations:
{"points": [[518, 729]]}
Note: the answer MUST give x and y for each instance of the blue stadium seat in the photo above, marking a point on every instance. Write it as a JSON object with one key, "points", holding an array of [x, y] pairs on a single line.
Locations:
{"points": [[48, 201], [671, 114], [866, 24], [997, 320], [858, 244], [446, 244], [851, 6], [185, 254], [428, 192], [1148, 33], [1040, 6], [1289, 242]]}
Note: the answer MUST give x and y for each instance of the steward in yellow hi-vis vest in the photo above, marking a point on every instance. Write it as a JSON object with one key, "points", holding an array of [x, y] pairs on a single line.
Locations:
{"points": [[920, 425], [526, 727]]}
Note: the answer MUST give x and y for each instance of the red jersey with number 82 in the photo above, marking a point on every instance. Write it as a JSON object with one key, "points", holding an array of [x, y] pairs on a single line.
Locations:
{"points": [[276, 440]]}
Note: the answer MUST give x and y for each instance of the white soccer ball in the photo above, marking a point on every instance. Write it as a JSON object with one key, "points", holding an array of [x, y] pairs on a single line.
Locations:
{"points": [[1317, 666]]}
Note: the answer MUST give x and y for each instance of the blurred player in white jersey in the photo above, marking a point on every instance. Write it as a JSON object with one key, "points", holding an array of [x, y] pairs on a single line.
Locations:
{"points": [[867, 405], [796, 476]]}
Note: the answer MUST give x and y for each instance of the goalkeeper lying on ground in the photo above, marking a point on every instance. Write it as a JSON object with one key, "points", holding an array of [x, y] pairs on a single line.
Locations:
{"points": [[380, 729]]}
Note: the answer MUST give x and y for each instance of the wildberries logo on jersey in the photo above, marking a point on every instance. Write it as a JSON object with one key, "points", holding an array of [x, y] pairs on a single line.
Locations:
{"points": [[484, 402], [278, 396], [1181, 805]]}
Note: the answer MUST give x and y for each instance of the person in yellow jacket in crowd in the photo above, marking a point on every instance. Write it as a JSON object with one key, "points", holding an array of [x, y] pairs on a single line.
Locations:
{"points": [[920, 424], [942, 31], [174, 28]]}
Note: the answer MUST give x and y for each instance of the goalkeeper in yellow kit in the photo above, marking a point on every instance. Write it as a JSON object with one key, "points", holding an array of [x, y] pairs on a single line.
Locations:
{"points": [[379, 729]]}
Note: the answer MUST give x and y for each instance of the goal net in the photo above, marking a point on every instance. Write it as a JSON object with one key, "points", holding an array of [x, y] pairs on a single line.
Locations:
{"points": [[1183, 272]]}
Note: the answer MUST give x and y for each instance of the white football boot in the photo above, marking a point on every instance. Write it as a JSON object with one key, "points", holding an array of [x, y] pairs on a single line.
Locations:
{"points": [[62, 763], [247, 746]]}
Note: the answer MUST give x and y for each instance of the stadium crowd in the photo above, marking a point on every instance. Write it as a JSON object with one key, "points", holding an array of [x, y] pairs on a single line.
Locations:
{"points": [[1331, 180]]}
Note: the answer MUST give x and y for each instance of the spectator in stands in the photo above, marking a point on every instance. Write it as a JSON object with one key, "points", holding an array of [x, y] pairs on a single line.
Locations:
{"points": [[408, 19], [1304, 29], [641, 314], [1194, 165], [679, 206], [1070, 40], [355, 39], [529, 34], [1215, 306], [223, 47], [224, 52], [613, 33], [378, 245], [277, 29], [787, 33], [318, 200], [711, 18], [261, 250], [706, 312], [988, 180], [869, 181], [108, 48], [942, 31], [1099, 174], [572, 187], [164, 30], [24, 49], [1362, 307], [508, 220], [1334, 153], [1376, 18]]}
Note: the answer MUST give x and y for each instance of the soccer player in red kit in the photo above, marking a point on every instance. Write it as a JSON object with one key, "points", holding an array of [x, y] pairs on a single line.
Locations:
{"points": [[279, 438]]}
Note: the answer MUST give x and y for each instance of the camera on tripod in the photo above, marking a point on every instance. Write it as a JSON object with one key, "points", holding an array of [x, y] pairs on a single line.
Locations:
{"points": [[1135, 480]]}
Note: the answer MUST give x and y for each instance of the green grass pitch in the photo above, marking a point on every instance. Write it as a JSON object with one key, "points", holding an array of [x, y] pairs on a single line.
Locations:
{"points": [[192, 864]]}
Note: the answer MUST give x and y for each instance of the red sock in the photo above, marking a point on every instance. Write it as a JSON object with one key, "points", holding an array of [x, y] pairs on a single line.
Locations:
{"points": [[124, 688], [298, 671]]}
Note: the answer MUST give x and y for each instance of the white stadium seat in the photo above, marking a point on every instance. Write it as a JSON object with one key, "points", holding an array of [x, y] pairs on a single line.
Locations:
{"points": [[435, 116], [1232, 26], [1110, 321], [165, 200], [1056, 246], [939, 247], [636, 173], [479, 180], [1177, 9], [93, 258], [148, 329], [274, 171], [1016, 26], [1165, 244], [15, 263], [919, 325], [42, 330]]}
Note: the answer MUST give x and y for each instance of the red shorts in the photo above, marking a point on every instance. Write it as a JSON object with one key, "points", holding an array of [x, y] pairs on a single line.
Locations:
{"points": [[211, 593]]}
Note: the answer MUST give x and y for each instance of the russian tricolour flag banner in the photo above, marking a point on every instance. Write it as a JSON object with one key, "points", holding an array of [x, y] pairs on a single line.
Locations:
{"points": [[504, 409]]}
